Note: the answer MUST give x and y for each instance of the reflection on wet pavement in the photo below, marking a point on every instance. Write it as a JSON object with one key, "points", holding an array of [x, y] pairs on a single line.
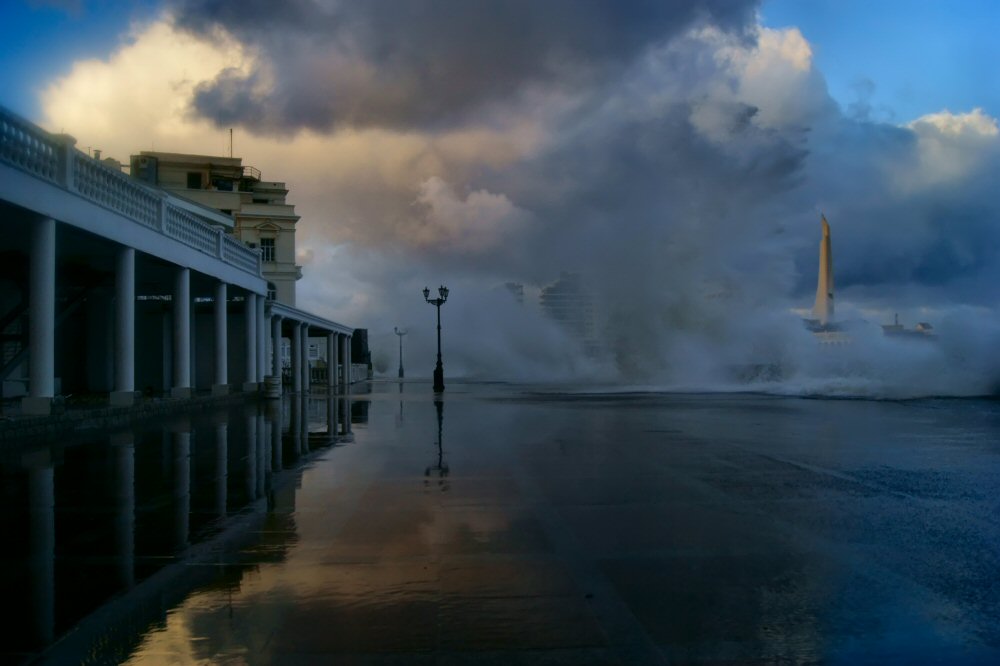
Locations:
{"points": [[498, 526]]}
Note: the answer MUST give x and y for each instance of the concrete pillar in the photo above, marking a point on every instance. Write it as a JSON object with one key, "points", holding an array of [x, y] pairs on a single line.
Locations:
{"points": [[42, 318], [261, 340], [124, 393], [306, 375], [275, 345], [331, 366], [250, 321], [296, 340], [345, 356], [335, 361], [221, 385], [182, 334]]}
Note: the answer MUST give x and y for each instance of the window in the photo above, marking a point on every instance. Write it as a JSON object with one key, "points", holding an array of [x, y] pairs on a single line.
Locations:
{"points": [[194, 180], [272, 291], [267, 249]]}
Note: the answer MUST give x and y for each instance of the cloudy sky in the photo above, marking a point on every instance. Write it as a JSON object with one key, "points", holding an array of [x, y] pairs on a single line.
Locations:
{"points": [[677, 154]]}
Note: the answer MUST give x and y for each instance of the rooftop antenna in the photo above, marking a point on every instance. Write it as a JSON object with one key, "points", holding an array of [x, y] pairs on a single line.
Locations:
{"points": [[230, 142]]}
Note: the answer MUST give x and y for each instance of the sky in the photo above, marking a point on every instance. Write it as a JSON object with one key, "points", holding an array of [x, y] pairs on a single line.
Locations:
{"points": [[676, 154]]}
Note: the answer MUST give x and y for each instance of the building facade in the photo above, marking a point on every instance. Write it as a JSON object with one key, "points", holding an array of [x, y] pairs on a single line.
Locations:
{"points": [[260, 215]]}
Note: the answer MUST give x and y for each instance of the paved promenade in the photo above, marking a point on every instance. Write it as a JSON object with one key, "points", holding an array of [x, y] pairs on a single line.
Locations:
{"points": [[512, 525]]}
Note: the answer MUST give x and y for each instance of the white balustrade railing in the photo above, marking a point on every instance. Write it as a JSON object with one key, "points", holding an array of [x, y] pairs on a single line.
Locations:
{"points": [[113, 189], [54, 158], [237, 253], [189, 230], [28, 147]]}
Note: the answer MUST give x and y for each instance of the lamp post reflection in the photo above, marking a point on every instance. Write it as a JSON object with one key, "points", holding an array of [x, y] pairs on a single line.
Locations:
{"points": [[400, 332], [440, 467]]}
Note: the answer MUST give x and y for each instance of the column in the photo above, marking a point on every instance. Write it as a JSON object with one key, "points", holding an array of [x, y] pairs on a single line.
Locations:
{"points": [[296, 340], [42, 318], [261, 340], [250, 327], [221, 385], [275, 346], [331, 362], [182, 334], [345, 355], [335, 361], [306, 378], [124, 393]]}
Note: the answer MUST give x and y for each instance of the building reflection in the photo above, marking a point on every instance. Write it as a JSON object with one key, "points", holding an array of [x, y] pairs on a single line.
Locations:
{"points": [[92, 521]]}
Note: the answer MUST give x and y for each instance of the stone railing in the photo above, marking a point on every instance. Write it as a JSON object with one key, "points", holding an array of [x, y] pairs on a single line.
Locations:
{"points": [[55, 159], [28, 147], [234, 252]]}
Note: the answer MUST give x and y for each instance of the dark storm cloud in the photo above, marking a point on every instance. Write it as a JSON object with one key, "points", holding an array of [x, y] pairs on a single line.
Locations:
{"points": [[425, 63]]}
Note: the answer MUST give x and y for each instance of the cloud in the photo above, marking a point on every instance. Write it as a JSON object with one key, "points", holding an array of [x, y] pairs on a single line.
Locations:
{"points": [[476, 223], [425, 64]]}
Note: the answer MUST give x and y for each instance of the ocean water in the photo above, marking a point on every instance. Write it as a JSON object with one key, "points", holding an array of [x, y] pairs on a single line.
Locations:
{"points": [[513, 524]]}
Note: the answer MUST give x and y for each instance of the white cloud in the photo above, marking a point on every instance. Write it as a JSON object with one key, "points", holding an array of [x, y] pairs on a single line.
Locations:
{"points": [[950, 147], [476, 223]]}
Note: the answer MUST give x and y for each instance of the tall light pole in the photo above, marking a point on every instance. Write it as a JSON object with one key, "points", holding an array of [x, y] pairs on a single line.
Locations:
{"points": [[400, 333], [438, 302]]}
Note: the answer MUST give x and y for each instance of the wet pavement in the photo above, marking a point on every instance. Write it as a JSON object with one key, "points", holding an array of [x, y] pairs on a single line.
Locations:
{"points": [[512, 525]]}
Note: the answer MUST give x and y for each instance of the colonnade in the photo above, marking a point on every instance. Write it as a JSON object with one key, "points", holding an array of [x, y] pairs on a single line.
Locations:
{"points": [[337, 352], [260, 336]]}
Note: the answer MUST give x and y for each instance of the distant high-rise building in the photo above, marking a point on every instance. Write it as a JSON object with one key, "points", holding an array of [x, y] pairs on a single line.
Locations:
{"points": [[569, 302], [516, 290], [261, 218]]}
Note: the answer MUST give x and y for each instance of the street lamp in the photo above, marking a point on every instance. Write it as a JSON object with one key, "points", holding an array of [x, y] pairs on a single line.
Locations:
{"points": [[438, 302], [400, 333]]}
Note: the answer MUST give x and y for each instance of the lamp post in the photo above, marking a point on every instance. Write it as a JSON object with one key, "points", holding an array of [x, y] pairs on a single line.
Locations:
{"points": [[438, 302], [400, 333]]}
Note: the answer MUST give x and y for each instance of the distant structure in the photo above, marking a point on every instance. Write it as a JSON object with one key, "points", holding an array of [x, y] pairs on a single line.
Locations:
{"points": [[261, 217], [516, 290], [823, 326], [823, 308], [922, 331], [569, 302]]}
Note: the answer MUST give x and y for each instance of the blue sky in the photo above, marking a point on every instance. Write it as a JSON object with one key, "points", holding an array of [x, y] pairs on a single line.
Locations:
{"points": [[921, 55], [905, 57]]}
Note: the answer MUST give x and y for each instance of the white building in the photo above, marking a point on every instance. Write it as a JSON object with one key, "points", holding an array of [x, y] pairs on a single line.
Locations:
{"points": [[112, 285], [258, 209]]}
